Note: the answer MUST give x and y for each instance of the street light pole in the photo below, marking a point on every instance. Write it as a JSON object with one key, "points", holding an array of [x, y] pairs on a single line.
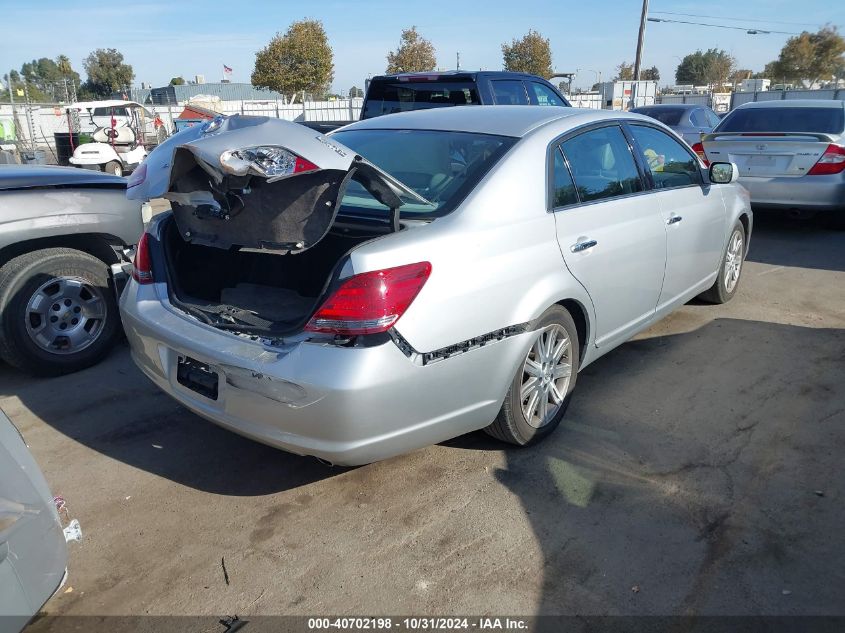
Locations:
{"points": [[640, 38]]}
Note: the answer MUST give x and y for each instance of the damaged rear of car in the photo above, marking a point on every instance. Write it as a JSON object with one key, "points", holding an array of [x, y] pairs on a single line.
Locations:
{"points": [[246, 305], [243, 206]]}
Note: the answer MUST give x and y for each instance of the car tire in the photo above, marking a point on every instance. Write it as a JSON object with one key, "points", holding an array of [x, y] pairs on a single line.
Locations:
{"points": [[113, 167], [31, 287], [516, 422], [730, 271]]}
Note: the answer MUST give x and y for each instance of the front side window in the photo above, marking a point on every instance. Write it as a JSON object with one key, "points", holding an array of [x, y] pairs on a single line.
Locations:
{"points": [[698, 118], [713, 118], [509, 92], [442, 167], [669, 163], [544, 95], [602, 164]]}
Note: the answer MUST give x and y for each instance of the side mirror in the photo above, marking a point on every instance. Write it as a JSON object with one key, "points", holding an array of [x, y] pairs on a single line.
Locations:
{"points": [[723, 173]]}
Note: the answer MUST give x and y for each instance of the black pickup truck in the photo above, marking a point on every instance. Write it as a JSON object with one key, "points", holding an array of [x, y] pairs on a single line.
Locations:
{"points": [[387, 94]]}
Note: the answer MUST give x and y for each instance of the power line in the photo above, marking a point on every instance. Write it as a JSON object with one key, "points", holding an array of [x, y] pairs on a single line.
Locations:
{"points": [[720, 17], [750, 31]]}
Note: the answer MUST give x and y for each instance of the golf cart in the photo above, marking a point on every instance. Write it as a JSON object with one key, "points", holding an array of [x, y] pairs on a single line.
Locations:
{"points": [[119, 132]]}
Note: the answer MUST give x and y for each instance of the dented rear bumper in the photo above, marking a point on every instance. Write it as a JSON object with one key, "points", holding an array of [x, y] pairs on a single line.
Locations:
{"points": [[346, 405]]}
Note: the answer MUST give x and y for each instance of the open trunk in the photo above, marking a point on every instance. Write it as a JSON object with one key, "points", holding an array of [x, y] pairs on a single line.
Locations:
{"points": [[252, 291]]}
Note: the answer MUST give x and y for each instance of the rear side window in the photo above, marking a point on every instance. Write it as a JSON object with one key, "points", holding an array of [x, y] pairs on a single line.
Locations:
{"points": [[667, 116], [669, 163], [509, 92], [544, 95], [400, 96], [563, 192], [602, 164], [785, 119]]}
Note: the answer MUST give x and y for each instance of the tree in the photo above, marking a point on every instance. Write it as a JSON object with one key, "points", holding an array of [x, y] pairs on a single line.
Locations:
{"points": [[415, 54], [810, 57], [301, 60], [107, 74], [355, 92], [720, 66], [650, 74], [531, 54], [177, 81], [713, 67], [624, 72]]}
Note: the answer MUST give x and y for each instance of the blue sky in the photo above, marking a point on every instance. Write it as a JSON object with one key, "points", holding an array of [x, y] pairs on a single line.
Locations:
{"points": [[164, 39]]}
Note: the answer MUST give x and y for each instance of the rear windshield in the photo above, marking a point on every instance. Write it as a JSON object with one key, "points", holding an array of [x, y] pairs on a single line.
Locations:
{"points": [[442, 167], [385, 97], [667, 116], [788, 119]]}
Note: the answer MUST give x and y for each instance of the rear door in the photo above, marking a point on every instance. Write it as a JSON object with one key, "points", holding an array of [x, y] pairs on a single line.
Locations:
{"points": [[774, 142], [610, 231], [692, 210]]}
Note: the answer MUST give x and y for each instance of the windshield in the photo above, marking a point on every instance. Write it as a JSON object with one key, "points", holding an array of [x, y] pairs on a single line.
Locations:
{"points": [[667, 116], [440, 166], [401, 96], [787, 119]]}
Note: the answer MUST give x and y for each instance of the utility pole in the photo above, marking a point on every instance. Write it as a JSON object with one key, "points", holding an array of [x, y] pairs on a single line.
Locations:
{"points": [[458, 55], [639, 58]]}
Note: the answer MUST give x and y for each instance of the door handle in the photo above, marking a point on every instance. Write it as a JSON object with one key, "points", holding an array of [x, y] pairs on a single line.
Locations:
{"points": [[582, 246], [674, 219]]}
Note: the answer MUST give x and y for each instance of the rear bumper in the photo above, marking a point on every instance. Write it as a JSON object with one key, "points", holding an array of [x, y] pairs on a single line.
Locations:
{"points": [[819, 193], [345, 405]]}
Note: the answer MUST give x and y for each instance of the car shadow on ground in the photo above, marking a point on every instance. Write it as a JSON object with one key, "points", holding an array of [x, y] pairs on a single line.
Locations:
{"points": [[694, 474], [782, 241], [113, 409]]}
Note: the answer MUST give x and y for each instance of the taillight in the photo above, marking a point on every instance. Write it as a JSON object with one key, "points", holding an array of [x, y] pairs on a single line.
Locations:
{"points": [[698, 148], [371, 302], [137, 176], [142, 267], [831, 162]]}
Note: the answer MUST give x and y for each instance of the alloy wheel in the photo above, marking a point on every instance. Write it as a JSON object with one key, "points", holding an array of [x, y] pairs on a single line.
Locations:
{"points": [[546, 373], [733, 261]]}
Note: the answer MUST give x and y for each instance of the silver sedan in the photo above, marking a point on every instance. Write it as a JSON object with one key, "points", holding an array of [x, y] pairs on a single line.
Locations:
{"points": [[417, 276], [790, 154]]}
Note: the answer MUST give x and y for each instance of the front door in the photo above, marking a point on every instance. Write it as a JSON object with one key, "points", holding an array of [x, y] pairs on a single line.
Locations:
{"points": [[693, 211]]}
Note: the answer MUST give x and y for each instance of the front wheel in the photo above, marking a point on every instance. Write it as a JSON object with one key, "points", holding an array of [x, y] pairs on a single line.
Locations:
{"points": [[727, 280], [113, 167], [541, 389], [58, 313]]}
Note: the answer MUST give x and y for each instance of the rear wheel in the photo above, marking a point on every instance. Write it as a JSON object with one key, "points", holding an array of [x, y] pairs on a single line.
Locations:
{"points": [[113, 167], [57, 311], [541, 389], [727, 281]]}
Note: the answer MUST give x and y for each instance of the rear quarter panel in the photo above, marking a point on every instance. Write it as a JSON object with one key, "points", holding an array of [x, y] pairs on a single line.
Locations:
{"points": [[495, 260]]}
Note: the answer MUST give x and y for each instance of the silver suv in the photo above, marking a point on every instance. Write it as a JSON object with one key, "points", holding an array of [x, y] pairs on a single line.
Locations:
{"points": [[417, 276]]}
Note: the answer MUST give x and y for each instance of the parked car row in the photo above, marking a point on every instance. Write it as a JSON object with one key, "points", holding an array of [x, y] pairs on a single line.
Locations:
{"points": [[313, 291]]}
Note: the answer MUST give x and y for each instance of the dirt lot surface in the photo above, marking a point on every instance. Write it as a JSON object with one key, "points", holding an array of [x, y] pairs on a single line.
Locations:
{"points": [[699, 471]]}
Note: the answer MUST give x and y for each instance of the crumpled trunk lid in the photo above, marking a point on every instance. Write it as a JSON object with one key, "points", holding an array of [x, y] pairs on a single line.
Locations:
{"points": [[258, 183]]}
